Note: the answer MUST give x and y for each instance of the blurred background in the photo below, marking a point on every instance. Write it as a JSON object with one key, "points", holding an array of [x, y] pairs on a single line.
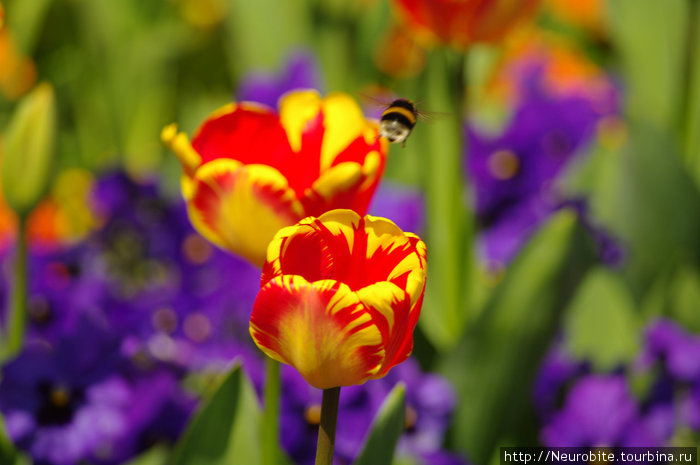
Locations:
{"points": [[554, 177]]}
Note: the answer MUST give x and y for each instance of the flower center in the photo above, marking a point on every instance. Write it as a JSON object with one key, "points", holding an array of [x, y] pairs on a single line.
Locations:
{"points": [[503, 164], [58, 403], [312, 414]]}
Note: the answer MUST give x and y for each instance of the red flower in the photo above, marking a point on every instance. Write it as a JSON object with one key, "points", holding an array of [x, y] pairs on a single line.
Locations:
{"points": [[250, 171], [340, 297], [461, 22]]}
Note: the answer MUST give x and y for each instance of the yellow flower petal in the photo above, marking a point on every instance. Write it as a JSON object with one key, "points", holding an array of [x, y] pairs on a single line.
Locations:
{"points": [[240, 207]]}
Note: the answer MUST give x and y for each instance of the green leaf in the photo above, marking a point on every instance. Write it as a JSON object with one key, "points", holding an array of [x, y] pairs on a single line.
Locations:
{"points": [[155, 456], [640, 190], [225, 430], [650, 37], [498, 358], [685, 295], [7, 450], [28, 149], [260, 34], [25, 20], [692, 99], [601, 323], [387, 428], [449, 223]]}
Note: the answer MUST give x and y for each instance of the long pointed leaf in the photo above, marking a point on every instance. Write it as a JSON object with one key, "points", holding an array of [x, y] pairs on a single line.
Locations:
{"points": [[496, 362], [225, 430], [386, 429]]}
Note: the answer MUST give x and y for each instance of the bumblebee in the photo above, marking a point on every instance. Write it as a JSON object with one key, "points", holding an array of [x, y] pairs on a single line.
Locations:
{"points": [[397, 121]]}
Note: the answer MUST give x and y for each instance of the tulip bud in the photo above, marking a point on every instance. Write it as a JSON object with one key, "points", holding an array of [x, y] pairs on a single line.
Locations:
{"points": [[27, 149]]}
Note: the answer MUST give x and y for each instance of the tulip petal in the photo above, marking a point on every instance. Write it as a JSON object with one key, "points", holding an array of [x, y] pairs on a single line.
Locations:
{"points": [[344, 122], [320, 328], [390, 307], [297, 109], [245, 132], [227, 196]]}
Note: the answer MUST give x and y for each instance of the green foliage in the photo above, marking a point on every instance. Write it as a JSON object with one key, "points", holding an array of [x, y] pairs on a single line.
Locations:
{"points": [[645, 191], [601, 323], [675, 295], [7, 450], [386, 429], [226, 428], [449, 228], [155, 456], [498, 357], [649, 36]]}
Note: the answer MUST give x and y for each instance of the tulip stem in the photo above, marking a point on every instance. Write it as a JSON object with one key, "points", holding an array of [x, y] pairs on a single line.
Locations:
{"points": [[17, 318], [326, 430], [270, 433]]}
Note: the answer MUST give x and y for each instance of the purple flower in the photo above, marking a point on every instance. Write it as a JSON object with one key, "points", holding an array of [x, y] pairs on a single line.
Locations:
{"points": [[543, 135], [514, 173], [676, 348], [404, 206], [177, 298], [300, 72], [557, 369], [429, 399], [74, 401], [691, 408], [598, 411]]}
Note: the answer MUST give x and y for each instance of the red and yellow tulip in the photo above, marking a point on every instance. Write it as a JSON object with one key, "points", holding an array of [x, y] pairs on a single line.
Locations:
{"points": [[250, 171], [459, 23], [340, 297]]}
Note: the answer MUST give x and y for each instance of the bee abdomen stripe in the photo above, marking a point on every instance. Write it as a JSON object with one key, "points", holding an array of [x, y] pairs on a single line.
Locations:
{"points": [[400, 114]]}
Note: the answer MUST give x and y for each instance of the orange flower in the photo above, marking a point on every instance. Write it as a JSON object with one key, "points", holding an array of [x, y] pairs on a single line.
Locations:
{"points": [[587, 14], [459, 23], [17, 72], [340, 297], [250, 171], [564, 70]]}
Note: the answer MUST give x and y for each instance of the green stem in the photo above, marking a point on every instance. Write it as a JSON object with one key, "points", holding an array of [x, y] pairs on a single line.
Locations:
{"points": [[448, 221], [326, 430], [270, 434], [17, 319], [689, 68]]}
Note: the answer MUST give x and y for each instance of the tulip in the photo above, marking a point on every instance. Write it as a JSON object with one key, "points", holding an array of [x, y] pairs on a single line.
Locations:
{"points": [[250, 171], [28, 148], [340, 297], [460, 23]]}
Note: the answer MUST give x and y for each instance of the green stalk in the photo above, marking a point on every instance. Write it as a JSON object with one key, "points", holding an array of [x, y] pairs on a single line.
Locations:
{"points": [[17, 319], [326, 430], [449, 228], [690, 67], [270, 426]]}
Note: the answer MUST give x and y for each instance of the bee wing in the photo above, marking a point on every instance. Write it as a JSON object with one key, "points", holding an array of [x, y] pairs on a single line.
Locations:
{"points": [[374, 101], [428, 116]]}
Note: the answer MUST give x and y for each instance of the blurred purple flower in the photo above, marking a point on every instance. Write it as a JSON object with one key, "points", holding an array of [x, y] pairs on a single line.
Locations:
{"points": [[598, 411], [403, 205], [514, 174], [429, 399], [115, 322], [676, 348], [299, 72], [72, 401], [557, 369], [177, 298]]}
